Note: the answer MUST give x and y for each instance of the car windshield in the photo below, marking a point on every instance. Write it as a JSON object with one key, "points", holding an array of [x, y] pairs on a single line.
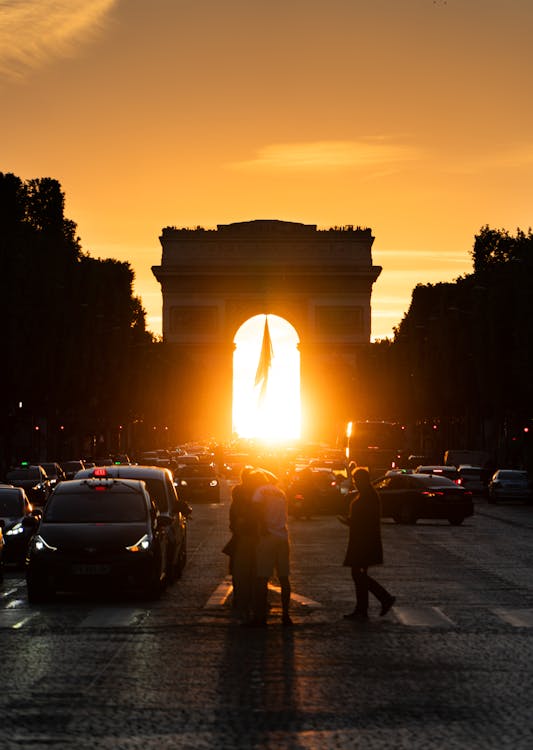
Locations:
{"points": [[196, 471], [24, 474], [11, 504], [96, 507], [516, 475], [51, 469]]}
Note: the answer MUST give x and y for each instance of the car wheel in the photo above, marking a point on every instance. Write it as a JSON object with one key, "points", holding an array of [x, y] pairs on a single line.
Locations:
{"points": [[405, 515], [456, 520], [37, 592], [182, 561]]}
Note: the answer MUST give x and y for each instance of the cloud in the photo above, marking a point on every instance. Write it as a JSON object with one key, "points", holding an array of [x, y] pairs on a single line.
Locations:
{"points": [[323, 155], [34, 31]]}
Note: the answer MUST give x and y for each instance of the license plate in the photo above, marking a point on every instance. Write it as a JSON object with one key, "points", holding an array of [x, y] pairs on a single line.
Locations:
{"points": [[91, 570]]}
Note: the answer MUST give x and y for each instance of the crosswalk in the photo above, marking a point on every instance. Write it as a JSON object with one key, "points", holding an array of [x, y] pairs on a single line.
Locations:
{"points": [[16, 613]]}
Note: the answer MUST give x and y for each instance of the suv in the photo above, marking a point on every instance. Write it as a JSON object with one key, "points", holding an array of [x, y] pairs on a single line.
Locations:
{"points": [[33, 480], [160, 485], [97, 533]]}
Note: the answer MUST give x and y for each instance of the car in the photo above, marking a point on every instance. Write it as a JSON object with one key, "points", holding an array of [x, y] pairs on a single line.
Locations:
{"points": [[450, 472], [406, 498], [18, 521], [234, 463], [98, 534], [1, 556], [54, 472], [198, 482], [71, 467], [473, 478], [160, 485], [313, 491], [510, 484], [32, 479]]}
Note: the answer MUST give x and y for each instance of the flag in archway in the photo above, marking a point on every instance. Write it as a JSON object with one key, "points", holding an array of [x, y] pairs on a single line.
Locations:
{"points": [[265, 361]]}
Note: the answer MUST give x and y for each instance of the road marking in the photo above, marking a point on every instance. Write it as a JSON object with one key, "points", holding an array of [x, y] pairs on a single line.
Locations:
{"points": [[518, 618], [220, 595], [429, 617], [10, 618], [222, 592], [303, 600], [112, 617]]}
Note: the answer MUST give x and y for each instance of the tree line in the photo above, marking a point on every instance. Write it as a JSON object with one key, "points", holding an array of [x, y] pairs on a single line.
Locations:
{"points": [[459, 369]]}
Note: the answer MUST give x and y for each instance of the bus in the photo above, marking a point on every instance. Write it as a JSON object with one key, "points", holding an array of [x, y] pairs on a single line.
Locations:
{"points": [[376, 445]]}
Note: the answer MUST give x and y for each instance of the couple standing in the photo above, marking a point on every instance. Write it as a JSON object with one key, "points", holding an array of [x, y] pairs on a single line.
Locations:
{"points": [[259, 545]]}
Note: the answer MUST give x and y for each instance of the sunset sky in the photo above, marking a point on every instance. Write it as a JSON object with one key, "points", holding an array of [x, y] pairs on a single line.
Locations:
{"points": [[411, 117]]}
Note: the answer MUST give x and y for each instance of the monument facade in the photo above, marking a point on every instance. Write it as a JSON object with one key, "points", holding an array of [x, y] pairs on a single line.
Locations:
{"points": [[320, 281]]}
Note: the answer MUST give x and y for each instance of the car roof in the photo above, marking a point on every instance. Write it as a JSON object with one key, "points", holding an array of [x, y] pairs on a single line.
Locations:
{"points": [[127, 471]]}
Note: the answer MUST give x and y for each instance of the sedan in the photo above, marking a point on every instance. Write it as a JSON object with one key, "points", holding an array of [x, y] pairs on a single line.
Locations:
{"points": [[97, 534], [510, 484], [408, 497], [18, 521]]}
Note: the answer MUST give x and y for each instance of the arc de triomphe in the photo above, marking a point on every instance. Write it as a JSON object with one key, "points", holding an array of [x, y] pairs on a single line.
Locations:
{"points": [[320, 281]]}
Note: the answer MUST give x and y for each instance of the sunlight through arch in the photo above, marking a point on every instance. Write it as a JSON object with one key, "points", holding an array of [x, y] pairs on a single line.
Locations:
{"points": [[266, 397]]}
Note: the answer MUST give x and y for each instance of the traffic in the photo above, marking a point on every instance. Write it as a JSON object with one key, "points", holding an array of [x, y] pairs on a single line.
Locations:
{"points": [[121, 524]]}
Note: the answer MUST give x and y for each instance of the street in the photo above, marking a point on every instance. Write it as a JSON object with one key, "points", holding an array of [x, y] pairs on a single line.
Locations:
{"points": [[451, 666]]}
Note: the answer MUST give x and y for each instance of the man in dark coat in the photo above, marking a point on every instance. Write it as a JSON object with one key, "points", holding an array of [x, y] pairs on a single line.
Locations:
{"points": [[365, 547]]}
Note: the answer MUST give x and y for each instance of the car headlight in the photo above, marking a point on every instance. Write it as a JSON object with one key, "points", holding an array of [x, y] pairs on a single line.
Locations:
{"points": [[15, 530], [40, 544], [183, 482], [141, 546], [213, 483]]}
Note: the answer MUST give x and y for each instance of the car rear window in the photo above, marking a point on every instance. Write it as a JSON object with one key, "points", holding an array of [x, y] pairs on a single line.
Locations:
{"points": [[24, 474], [156, 490], [11, 504], [516, 475], [96, 507], [431, 480]]}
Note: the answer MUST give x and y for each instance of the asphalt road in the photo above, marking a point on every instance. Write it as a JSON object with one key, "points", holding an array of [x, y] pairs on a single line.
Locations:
{"points": [[450, 667]]}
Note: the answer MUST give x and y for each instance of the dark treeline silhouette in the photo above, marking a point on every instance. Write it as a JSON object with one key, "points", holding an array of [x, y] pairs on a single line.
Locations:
{"points": [[459, 369], [72, 332], [81, 375]]}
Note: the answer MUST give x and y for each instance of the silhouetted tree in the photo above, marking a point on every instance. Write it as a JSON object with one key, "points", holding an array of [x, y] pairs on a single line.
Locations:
{"points": [[70, 324]]}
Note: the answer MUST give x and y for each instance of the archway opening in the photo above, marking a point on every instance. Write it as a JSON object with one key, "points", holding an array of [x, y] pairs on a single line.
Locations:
{"points": [[266, 380]]}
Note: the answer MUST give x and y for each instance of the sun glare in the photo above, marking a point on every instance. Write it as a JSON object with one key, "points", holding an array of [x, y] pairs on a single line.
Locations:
{"points": [[266, 380]]}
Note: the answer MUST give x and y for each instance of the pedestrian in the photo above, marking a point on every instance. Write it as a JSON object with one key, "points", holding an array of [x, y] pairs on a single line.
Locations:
{"points": [[273, 548], [365, 546], [241, 548]]}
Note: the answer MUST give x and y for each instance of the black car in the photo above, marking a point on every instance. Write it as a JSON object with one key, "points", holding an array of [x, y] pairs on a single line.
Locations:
{"points": [[71, 467], [198, 482], [408, 497], [1, 556], [18, 522], [314, 490], [98, 534], [160, 486], [33, 479], [54, 472]]}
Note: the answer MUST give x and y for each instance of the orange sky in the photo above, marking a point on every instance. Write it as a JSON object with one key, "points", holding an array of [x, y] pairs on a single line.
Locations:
{"points": [[411, 117]]}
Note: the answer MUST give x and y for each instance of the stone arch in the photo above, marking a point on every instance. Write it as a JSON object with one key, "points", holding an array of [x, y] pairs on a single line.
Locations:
{"points": [[319, 280]]}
